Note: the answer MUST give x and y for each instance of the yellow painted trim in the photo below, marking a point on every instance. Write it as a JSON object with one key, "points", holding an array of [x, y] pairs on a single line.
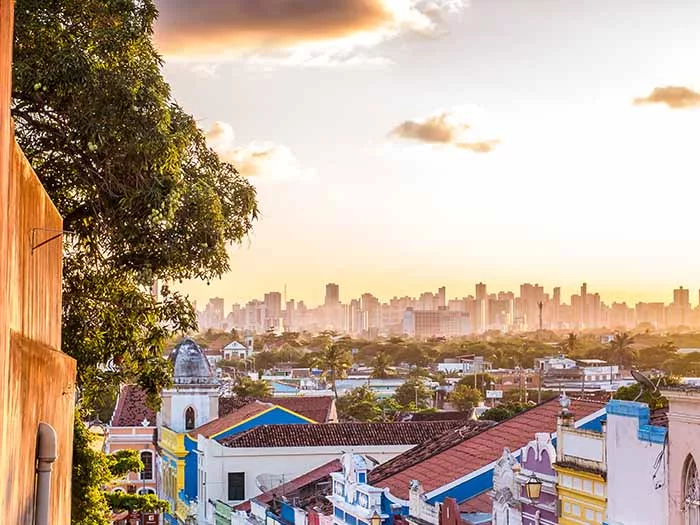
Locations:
{"points": [[251, 418]]}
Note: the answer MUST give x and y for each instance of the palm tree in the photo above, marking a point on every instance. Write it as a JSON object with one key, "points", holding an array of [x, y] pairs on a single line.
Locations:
{"points": [[381, 366], [621, 349], [569, 344], [247, 387], [333, 361]]}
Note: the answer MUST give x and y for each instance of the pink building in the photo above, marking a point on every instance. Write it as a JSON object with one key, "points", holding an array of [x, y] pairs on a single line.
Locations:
{"points": [[133, 427], [683, 456]]}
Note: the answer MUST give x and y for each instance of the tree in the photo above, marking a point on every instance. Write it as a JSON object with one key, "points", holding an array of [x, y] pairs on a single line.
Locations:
{"points": [[381, 366], [247, 387], [464, 398], [333, 361], [93, 470], [136, 184], [360, 404], [480, 381], [413, 392], [570, 343], [621, 349], [503, 411], [653, 399]]}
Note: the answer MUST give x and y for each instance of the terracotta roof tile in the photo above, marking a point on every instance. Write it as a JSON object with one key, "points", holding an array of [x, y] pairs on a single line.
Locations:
{"points": [[449, 415], [316, 408], [476, 450], [480, 503], [131, 408], [297, 484], [234, 418], [344, 434]]}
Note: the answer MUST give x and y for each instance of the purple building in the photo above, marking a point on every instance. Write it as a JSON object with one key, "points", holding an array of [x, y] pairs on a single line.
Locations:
{"points": [[537, 457]]}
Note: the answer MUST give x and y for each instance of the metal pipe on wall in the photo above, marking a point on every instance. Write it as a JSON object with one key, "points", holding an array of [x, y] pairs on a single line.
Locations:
{"points": [[45, 457]]}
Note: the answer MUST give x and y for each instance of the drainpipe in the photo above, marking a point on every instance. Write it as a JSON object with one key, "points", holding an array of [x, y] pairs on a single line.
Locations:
{"points": [[45, 456]]}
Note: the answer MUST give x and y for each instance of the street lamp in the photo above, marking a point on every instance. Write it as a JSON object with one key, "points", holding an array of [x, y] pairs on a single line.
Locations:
{"points": [[533, 487], [376, 519]]}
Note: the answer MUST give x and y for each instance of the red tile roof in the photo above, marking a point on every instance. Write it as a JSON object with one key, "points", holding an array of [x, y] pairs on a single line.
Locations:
{"points": [[343, 434], [316, 408], [475, 451], [480, 503], [297, 484], [131, 408], [229, 420]]}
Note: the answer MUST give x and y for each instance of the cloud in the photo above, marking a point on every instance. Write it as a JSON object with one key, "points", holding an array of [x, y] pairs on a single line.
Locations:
{"points": [[232, 28], [479, 147], [446, 128], [263, 160], [675, 97]]}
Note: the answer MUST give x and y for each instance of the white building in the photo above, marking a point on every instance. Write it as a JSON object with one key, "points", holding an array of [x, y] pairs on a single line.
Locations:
{"points": [[235, 350], [637, 472]]}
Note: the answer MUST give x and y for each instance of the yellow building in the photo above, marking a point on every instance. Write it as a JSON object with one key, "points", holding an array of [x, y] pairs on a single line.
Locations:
{"points": [[581, 474]]}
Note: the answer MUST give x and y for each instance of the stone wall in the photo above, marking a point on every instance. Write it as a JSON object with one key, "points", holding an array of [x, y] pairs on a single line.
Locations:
{"points": [[36, 379]]}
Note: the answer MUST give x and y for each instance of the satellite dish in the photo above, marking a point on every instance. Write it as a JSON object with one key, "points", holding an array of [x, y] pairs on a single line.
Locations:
{"points": [[644, 383]]}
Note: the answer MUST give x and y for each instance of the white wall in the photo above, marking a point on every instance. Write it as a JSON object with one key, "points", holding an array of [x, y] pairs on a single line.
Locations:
{"points": [[633, 498], [218, 461], [203, 399]]}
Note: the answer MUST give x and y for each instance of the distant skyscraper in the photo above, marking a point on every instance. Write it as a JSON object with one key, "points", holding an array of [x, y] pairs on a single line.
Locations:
{"points": [[681, 297], [442, 299], [481, 291], [273, 310], [481, 309], [332, 294]]}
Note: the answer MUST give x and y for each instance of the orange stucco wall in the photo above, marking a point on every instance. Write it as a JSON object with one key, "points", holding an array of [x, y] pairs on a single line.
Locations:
{"points": [[36, 379]]}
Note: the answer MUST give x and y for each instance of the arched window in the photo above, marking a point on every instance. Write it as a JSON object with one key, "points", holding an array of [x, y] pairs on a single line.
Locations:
{"points": [[147, 460], [118, 489], [691, 493], [189, 418], [146, 491]]}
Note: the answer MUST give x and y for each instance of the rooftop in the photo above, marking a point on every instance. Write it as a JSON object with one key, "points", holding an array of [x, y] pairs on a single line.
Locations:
{"points": [[316, 408], [339, 434], [311, 477], [131, 409], [190, 364], [450, 457], [231, 419]]}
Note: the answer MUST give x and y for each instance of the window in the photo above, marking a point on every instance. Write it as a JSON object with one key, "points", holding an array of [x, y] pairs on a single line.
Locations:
{"points": [[589, 514], [362, 477], [118, 489], [189, 418], [588, 486], [236, 486], [599, 489], [575, 510], [144, 492], [147, 460], [691, 493]]}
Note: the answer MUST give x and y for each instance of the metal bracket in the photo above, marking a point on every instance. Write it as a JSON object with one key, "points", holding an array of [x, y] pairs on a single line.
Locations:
{"points": [[58, 233]]}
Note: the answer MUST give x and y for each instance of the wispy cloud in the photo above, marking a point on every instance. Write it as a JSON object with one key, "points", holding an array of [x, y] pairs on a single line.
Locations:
{"points": [[451, 128], [675, 97], [259, 160], [323, 29]]}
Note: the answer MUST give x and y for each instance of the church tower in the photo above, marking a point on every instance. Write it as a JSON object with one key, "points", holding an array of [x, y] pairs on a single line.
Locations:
{"points": [[193, 399]]}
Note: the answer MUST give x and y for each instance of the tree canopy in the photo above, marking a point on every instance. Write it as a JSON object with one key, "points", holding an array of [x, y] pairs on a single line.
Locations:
{"points": [[144, 198], [360, 404]]}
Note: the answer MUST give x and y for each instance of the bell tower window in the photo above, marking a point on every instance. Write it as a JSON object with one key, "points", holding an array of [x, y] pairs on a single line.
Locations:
{"points": [[189, 418]]}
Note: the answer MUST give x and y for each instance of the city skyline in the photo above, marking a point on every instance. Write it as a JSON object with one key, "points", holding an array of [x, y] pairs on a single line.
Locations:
{"points": [[319, 292], [421, 142]]}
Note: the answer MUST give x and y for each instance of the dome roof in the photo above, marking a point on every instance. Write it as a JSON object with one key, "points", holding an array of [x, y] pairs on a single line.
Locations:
{"points": [[190, 365]]}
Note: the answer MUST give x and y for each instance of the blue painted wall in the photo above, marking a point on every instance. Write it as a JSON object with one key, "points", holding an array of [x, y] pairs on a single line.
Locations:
{"points": [[276, 416]]}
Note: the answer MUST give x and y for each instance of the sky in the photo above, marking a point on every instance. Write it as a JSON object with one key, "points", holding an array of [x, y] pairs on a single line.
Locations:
{"points": [[401, 145]]}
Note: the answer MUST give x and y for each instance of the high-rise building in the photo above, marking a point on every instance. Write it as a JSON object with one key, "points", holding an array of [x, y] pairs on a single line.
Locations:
{"points": [[273, 305], [442, 297], [371, 314], [423, 324], [332, 294], [681, 296]]}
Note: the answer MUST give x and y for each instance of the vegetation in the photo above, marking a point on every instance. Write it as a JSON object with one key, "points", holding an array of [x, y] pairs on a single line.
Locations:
{"points": [[94, 470], [653, 399], [503, 411], [621, 351], [247, 387], [413, 395], [381, 366], [360, 404], [464, 397], [142, 194], [333, 361]]}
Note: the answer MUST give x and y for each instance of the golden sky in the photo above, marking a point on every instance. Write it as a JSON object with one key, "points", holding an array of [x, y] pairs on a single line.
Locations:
{"points": [[398, 145]]}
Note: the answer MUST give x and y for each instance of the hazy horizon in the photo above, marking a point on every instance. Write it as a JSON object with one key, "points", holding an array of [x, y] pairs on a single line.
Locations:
{"points": [[399, 145]]}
